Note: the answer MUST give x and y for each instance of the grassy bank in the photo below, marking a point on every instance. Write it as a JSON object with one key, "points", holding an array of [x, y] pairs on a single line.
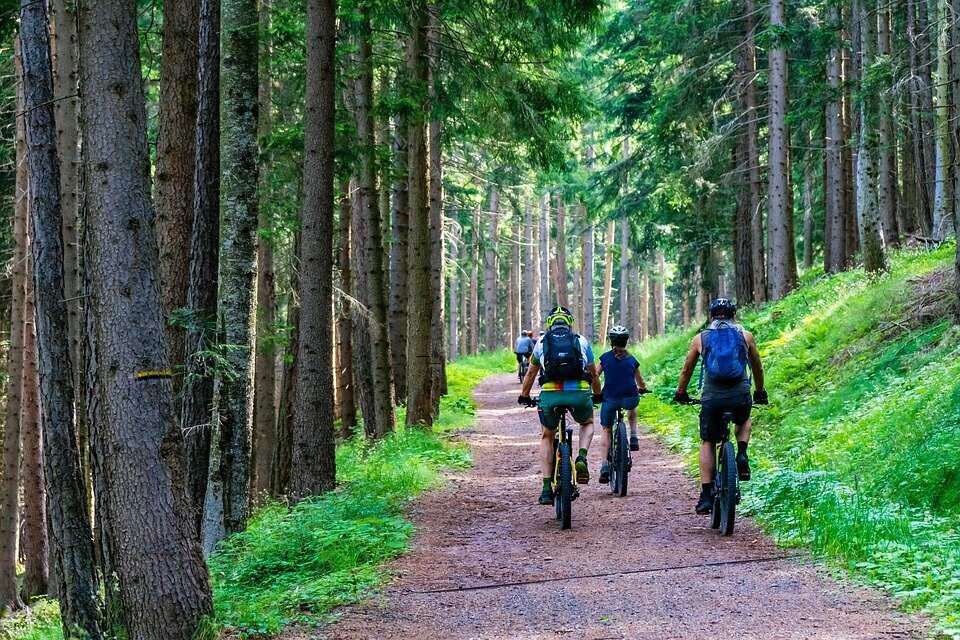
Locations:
{"points": [[856, 456], [294, 565]]}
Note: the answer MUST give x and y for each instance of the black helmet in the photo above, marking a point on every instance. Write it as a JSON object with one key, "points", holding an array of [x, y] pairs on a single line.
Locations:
{"points": [[618, 336], [722, 308]]}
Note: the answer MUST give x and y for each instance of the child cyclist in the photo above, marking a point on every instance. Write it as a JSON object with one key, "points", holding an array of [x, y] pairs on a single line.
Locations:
{"points": [[622, 386]]}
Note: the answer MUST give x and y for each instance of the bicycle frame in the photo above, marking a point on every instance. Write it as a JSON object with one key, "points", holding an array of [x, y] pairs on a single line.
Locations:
{"points": [[563, 435]]}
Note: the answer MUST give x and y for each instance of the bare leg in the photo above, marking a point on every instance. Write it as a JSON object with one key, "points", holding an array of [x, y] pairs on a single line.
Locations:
{"points": [[586, 434], [605, 441], [743, 431], [632, 419], [708, 460], [546, 453]]}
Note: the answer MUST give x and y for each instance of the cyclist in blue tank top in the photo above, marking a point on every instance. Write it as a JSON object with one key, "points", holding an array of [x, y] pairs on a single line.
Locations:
{"points": [[622, 386]]}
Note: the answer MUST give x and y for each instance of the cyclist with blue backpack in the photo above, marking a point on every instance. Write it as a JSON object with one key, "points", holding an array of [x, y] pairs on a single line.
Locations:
{"points": [[729, 356]]}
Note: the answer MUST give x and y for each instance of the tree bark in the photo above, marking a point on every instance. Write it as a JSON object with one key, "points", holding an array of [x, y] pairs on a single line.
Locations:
{"points": [[808, 207], [753, 154], [490, 269], [196, 408], [313, 468], [140, 444], [174, 173], [69, 523], [742, 225], [868, 205], [10, 486], [399, 258], [644, 293], [377, 395], [545, 298], [607, 279], [438, 364], [345, 377], [835, 246], [512, 330], [282, 453], [888, 193], [563, 273], [527, 296], [454, 335], [921, 110], [624, 272], [36, 553], [474, 308], [942, 197], [264, 366], [659, 293], [781, 255], [233, 388], [589, 269]]}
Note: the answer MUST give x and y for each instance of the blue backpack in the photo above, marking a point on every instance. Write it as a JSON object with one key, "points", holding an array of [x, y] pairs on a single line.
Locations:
{"points": [[724, 354]]}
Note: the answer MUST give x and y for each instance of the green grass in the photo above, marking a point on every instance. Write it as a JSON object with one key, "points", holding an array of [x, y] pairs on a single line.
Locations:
{"points": [[856, 456], [294, 565]]}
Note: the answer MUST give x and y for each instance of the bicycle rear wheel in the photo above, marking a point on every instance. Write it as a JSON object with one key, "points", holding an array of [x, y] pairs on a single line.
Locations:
{"points": [[715, 513], [728, 492], [621, 459], [564, 493]]}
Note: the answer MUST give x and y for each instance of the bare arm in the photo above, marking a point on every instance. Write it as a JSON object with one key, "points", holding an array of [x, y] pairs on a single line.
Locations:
{"points": [[528, 381], [754, 355], [594, 377], [693, 355], [640, 382]]}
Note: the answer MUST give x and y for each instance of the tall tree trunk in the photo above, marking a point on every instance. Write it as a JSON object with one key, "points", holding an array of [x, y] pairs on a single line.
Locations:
{"points": [[924, 113], [66, 113], [438, 362], [528, 290], [850, 117], [399, 256], [455, 348], [589, 270], [313, 468], [644, 293], [174, 174], [781, 255], [36, 553], [196, 408], [149, 510], [10, 485], [742, 226], [69, 523], [868, 205], [659, 293], [264, 366], [420, 302], [345, 377], [474, 303], [377, 400], [888, 196], [607, 278], [490, 269], [753, 154], [563, 273], [916, 132], [942, 197], [624, 272], [512, 330], [808, 207], [545, 279], [955, 141], [282, 453], [835, 246]]}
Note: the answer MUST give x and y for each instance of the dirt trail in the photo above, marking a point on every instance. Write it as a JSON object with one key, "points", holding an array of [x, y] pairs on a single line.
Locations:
{"points": [[485, 528]]}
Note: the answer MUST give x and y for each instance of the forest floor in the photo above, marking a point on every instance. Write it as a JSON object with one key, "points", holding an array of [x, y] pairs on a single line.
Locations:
{"points": [[488, 562]]}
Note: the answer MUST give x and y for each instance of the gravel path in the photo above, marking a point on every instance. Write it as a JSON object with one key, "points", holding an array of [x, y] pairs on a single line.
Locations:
{"points": [[643, 556]]}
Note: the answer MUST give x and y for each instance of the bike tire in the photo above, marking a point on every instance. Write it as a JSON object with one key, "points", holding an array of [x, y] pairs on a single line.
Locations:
{"points": [[715, 513], [554, 475], [729, 480], [564, 497], [622, 459]]}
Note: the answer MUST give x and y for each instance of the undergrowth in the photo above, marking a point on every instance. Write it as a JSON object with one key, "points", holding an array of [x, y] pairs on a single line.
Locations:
{"points": [[856, 456], [292, 565]]}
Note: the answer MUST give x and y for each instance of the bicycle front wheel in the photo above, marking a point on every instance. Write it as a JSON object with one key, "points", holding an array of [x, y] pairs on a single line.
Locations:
{"points": [[621, 459], [564, 493], [728, 489]]}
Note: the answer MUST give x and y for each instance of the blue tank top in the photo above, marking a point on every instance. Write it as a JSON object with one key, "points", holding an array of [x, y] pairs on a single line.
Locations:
{"points": [[619, 376]]}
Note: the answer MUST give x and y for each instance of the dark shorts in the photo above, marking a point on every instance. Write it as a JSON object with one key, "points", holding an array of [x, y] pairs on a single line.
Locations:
{"points": [[523, 356], [712, 425]]}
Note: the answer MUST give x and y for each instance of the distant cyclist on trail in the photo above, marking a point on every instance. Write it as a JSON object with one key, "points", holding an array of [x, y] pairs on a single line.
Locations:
{"points": [[569, 379], [523, 348], [622, 386], [729, 355]]}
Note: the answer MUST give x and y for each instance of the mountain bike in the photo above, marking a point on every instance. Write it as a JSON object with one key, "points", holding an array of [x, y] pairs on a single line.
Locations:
{"points": [[524, 367], [564, 479], [726, 480], [621, 462]]}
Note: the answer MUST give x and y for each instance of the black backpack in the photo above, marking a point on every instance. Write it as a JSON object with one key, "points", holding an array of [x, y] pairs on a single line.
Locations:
{"points": [[562, 358]]}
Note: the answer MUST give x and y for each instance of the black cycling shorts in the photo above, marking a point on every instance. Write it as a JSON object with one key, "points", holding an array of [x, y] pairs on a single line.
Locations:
{"points": [[712, 425], [523, 356]]}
